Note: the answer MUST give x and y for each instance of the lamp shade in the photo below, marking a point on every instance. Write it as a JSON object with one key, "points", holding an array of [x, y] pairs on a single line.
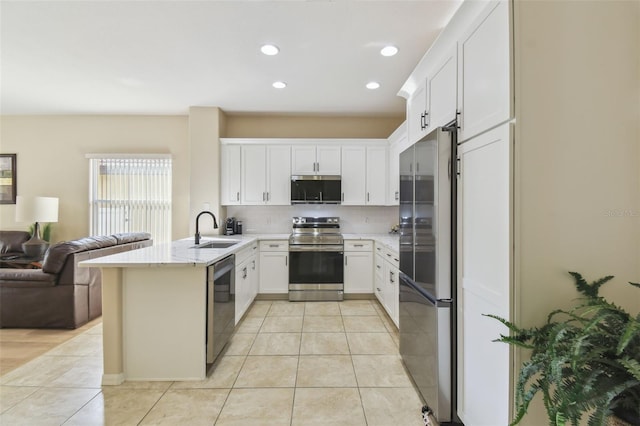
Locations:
{"points": [[36, 209]]}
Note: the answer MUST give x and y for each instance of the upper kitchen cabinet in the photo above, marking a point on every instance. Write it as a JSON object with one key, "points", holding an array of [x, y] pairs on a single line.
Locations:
{"points": [[315, 160], [266, 175], [364, 175], [230, 175], [417, 112], [442, 90], [398, 142], [484, 72], [434, 101]]}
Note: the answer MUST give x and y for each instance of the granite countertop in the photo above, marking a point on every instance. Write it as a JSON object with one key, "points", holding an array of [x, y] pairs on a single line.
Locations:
{"points": [[176, 253], [182, 252]]}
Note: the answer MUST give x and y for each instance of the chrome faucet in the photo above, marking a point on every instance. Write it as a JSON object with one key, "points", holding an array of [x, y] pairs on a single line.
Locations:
{"points": [[215, 224]]}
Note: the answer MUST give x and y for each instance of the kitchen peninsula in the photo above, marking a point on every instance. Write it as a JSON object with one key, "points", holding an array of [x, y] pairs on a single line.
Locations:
{"points": [[155, 299], [155, 309]]}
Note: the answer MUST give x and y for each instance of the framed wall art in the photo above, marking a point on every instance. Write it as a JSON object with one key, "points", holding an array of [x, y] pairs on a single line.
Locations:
{"points": [[8, 178]]}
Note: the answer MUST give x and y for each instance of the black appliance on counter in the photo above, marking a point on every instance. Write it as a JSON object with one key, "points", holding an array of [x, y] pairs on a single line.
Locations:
{"points": [[316, 259], [233, 226], [427, 305]]}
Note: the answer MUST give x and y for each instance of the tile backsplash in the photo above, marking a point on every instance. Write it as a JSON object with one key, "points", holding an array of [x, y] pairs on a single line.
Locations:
{"points": [[277, 219]]}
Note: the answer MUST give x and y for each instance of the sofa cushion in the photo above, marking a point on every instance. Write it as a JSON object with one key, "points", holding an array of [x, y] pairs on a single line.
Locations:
{"points": [[11, 241], [131, 237], [57, 254], [23, 278]]}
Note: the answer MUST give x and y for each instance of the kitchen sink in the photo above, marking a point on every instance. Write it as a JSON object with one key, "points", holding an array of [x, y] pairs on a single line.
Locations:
{"points": [[216, 244]]}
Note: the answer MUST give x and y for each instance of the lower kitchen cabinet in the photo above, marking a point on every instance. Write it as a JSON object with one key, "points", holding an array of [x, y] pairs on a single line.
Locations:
{"points": [[246, 280], [274, 266], [358, 266], [386, 280]]}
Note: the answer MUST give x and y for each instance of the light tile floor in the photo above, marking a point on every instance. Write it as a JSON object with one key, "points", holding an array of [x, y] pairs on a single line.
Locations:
{"points": [[302, 363]]}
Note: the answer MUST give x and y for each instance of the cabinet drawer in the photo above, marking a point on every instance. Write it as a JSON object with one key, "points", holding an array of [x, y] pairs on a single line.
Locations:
{"points": [[392, 257], [246, 252], [358, 245], [274, 245]]}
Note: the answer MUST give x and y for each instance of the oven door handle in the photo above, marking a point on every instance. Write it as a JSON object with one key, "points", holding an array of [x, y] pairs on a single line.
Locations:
{"points": [[314, 247]]}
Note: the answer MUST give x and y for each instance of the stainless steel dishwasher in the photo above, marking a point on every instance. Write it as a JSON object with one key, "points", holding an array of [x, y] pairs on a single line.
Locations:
{"points": [[221, 305]]}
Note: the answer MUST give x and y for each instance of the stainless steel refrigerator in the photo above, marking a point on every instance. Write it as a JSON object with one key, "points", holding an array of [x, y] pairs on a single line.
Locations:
{"points": [[427, 287]]}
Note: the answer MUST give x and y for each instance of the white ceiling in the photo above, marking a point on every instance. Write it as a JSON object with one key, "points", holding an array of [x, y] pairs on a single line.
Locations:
{"points": [[161, 57]]}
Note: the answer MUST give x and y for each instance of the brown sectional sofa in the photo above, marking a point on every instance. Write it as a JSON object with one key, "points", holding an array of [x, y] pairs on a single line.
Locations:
{"points": [[61, 294]]}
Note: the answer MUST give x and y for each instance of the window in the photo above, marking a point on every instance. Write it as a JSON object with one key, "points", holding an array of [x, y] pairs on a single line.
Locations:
{"points": [[130, 193]]}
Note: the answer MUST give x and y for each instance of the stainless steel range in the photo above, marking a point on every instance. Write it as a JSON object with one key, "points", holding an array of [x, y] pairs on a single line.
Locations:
{"points": [[316, 259]]}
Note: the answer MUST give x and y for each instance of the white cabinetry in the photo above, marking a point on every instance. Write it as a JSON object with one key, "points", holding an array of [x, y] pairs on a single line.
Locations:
{"points": [[358, 266], [386, 280], [364, 175], [398, 142], [354, 172], [417, 112], [246, 279], [274, 266], [315, 160], [484, 74], [484, 275], [266, 175], [230, 174], [442, 91]]}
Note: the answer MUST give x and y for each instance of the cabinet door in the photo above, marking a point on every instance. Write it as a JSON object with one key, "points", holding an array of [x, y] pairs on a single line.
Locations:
{"points": [[416, 113], [379, 283], [376, 176], [354, 185], [393, 195], [274, 272], [278, 175], [303, 160], [328, 159], [242, 286], [443, 92], [484, 75], [255, 278], [253, 174], [484, 275], [358, 272], [230, 174], [391, 293]]}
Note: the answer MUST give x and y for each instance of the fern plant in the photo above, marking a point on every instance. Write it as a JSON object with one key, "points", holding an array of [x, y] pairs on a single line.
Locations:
{"points": [[584, 361]]}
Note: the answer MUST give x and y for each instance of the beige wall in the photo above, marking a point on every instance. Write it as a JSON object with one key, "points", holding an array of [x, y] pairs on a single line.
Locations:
{"points": [[51, 161], [301, 126], [51, 155], [577, 155]]}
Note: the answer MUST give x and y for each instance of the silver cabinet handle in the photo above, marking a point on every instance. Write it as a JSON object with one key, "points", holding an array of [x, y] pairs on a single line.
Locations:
{"points": [[378, 288], [238, 196], [358, 245], [378, 266], [244, 273], [254, 265], [397, 195], [268, 196], [286, 261], [263, 196], [346, 262], [388, 255], [274, 245], [391, 277], [367, 197], [379, 248]]}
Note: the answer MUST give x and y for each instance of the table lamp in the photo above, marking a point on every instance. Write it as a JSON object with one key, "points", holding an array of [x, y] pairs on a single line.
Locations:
{"points": [[36, 209]]}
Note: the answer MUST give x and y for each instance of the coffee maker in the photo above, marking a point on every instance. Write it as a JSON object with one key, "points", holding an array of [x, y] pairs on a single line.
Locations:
{"points": [[230, 226]]}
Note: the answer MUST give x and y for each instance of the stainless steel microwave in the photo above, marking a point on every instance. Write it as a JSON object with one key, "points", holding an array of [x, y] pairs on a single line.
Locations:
{"points": [[316, 189]]}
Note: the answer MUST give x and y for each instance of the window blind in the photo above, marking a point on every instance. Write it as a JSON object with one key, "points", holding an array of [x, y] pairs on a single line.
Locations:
{"points": [[131, 195]]}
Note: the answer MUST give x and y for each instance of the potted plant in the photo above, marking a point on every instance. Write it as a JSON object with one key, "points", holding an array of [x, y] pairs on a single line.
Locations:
{"points": [[584, 361]]}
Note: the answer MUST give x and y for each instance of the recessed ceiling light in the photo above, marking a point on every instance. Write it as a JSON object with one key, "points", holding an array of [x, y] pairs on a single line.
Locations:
{"points": [[279, 84], [389, 51], [373, 85], [270, 49]]}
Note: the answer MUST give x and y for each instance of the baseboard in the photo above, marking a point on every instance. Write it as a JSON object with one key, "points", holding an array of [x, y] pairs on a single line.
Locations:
{"points": [[112, 379]]}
